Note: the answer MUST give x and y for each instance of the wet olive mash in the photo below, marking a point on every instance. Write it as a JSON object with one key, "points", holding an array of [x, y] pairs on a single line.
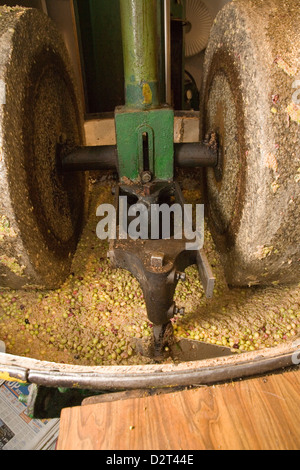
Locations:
{"points": [[95, 316]]}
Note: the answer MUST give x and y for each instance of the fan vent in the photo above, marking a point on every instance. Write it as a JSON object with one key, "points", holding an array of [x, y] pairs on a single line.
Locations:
{"points": [[198, 29]]}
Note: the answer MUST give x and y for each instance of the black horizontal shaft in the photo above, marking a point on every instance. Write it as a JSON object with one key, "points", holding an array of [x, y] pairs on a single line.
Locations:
{"points": [[194, 155], [190, 155], [91, 158]]}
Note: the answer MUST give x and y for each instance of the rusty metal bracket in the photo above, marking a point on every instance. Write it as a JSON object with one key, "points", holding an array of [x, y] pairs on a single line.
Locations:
{"points": [[158, 264]]}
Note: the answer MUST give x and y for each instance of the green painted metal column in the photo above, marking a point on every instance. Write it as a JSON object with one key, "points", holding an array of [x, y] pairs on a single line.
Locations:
{"points": [[143, 119], [140, 43]]}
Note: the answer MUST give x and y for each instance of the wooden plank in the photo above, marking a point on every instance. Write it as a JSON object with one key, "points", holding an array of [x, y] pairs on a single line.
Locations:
{"points": [[100, 132], [257, 414], [103, 132]]}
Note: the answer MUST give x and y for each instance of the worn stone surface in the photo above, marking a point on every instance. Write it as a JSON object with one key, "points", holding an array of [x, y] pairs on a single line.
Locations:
{"points": [[41, 210], [251, 65]]}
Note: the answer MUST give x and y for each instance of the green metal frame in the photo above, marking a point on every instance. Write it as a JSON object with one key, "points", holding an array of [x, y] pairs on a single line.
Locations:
{"points": [[131, 125], [143, 114]]}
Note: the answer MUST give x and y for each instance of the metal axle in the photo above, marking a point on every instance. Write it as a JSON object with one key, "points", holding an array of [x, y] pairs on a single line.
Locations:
{"points": [[189, 155]]}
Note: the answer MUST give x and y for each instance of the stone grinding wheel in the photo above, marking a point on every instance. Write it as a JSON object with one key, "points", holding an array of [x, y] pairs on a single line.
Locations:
{"points": [[41, 210], [251, 67]]}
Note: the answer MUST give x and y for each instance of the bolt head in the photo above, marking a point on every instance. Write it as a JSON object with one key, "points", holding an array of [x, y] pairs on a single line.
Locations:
{"points": [[180, 276], [146, 177], [157, 260], [180, 311]]}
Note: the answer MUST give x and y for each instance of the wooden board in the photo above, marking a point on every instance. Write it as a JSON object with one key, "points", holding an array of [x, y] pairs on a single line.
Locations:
{"points": [[103, 132], [257, 414]]}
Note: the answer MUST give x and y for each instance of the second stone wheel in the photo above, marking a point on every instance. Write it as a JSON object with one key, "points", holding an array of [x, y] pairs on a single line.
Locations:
{"points": [[42, 210], [249, 100]]}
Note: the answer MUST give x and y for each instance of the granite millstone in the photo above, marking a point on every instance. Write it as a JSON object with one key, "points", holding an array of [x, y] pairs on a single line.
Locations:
{"points": [[252, 65], [41, 209]]}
